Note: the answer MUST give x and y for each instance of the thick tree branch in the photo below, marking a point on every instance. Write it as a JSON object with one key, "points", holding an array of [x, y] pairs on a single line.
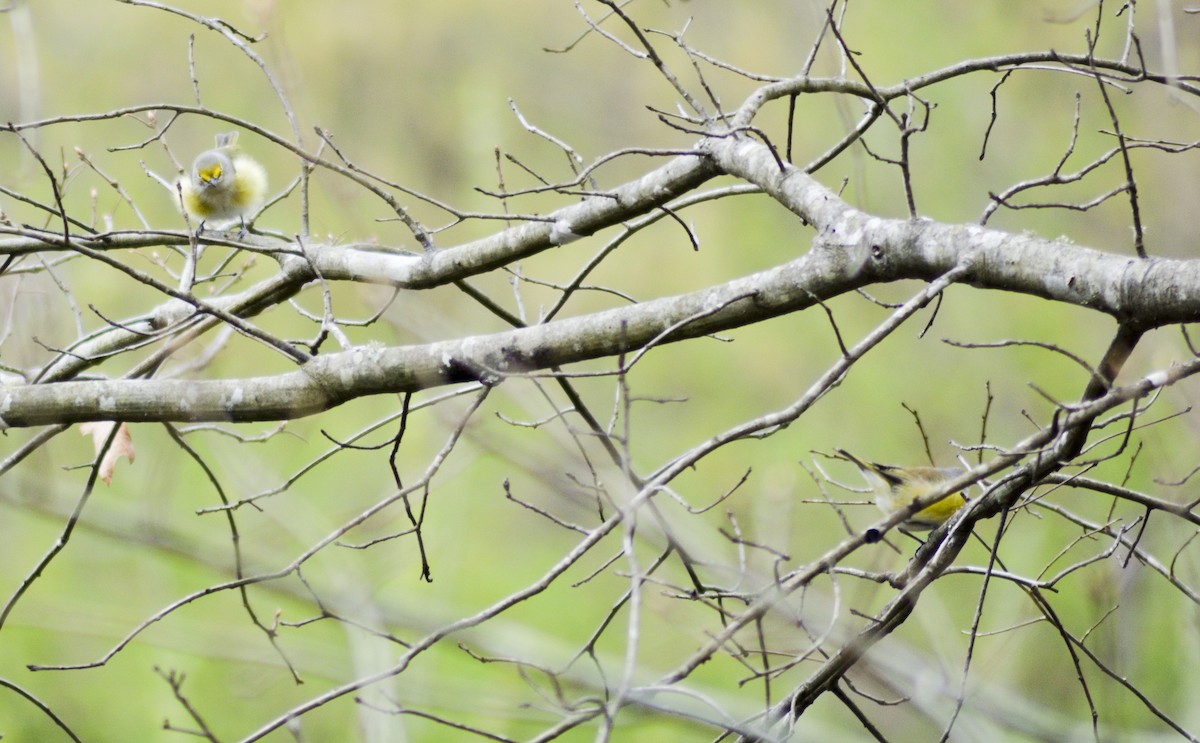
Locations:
{"points": [[855, 250]]}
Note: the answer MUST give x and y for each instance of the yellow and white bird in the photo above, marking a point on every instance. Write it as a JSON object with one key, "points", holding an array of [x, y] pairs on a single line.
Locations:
{"points": [[225, 184]]}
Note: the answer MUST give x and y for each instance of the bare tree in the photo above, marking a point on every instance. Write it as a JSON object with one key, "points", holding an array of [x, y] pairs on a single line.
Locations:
{"points": [[564, 507]]}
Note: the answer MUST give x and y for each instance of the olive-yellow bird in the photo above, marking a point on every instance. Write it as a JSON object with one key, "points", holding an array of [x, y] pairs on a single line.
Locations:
{"points": [[896, 487]]}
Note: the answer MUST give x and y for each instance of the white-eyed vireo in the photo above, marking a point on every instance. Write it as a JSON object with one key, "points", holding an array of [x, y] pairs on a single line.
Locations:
{"points": [[225, 184]]}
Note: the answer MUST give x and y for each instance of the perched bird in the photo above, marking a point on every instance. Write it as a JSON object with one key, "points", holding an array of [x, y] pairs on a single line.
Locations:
{"points": [[896, 487], [225, 184]]}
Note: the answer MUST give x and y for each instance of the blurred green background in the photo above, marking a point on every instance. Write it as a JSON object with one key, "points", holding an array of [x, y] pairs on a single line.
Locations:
{"points": [[418, 93]]}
